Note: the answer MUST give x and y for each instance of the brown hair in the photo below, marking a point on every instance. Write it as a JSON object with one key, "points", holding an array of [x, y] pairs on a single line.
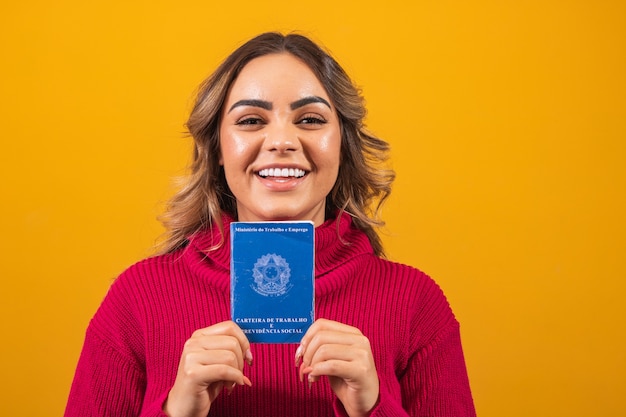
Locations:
{"points": [[362, 185]]}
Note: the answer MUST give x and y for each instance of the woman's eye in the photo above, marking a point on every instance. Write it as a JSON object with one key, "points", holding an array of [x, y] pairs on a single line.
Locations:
{"points": [[311, 120], [250, 121]]}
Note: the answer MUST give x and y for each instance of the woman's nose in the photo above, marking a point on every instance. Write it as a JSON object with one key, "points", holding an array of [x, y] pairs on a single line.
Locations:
{"points": [[282, 139]]}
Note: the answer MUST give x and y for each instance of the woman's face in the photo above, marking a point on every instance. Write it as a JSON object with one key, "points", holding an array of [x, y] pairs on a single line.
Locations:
{"points": [[280, 141]]}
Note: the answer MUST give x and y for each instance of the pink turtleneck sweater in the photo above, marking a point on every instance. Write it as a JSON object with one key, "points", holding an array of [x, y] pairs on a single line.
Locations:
{"points": [[133, 344]]}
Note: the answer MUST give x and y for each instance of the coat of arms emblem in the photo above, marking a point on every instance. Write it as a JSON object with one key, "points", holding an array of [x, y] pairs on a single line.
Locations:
{"points": [[271, 275]]}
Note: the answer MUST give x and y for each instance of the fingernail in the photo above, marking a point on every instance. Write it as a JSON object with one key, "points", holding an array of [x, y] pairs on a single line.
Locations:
{"points": [[305, 370], [247, 381], [310, 379], [248, 357], [298, 355]]}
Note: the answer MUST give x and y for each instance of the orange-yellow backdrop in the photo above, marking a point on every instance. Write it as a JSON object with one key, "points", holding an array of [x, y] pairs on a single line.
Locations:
{"points": [[507, 121]]}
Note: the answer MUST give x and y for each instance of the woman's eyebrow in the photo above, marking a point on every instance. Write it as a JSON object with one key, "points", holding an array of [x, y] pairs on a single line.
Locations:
{"points": [[308, 100], [251, 102]]}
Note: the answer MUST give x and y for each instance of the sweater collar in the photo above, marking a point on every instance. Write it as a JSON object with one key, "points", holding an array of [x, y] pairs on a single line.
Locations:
{"points": [[337, 241]]}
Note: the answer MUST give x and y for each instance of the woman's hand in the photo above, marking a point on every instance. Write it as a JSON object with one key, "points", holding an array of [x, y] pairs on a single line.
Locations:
{"points": [[213, 358], [342, 353]]}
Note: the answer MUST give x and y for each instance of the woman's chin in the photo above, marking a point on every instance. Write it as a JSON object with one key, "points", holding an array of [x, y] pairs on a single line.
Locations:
{"points": [[282, 214]]}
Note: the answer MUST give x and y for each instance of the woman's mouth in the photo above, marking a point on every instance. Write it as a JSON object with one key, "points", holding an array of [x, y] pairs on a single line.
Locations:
{"points": [[281, 173]]}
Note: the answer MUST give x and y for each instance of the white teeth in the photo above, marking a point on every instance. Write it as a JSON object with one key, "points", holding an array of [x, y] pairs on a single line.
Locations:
{"points": [[284, 172]]}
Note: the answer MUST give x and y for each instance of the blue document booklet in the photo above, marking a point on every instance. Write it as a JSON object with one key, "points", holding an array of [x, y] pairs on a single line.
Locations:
{"points": [[272, 279]]}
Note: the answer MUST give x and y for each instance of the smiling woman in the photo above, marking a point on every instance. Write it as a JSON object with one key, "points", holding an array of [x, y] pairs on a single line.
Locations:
{"points": [[279, 125], [278, 132], [361, 185]]}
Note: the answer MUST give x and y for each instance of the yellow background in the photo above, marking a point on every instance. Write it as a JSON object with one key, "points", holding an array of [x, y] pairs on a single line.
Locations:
{"points": [[508, 126]]}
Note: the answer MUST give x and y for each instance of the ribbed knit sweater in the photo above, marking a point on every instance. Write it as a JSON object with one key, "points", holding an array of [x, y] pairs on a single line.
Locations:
{"points": [[133, 343]]}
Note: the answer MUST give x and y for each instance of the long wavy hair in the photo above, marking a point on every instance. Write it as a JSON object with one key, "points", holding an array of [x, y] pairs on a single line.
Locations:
{"points": [[363, 181]]}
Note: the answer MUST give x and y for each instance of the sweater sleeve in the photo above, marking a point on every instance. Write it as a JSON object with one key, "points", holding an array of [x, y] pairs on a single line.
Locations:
{"points": [[385, 407], [106, 383], [436, 382], [110, 378], [430, 376]]}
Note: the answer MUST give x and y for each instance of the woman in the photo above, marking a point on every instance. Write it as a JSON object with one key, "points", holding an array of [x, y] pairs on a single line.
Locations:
{"points": [[278, 136]]}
